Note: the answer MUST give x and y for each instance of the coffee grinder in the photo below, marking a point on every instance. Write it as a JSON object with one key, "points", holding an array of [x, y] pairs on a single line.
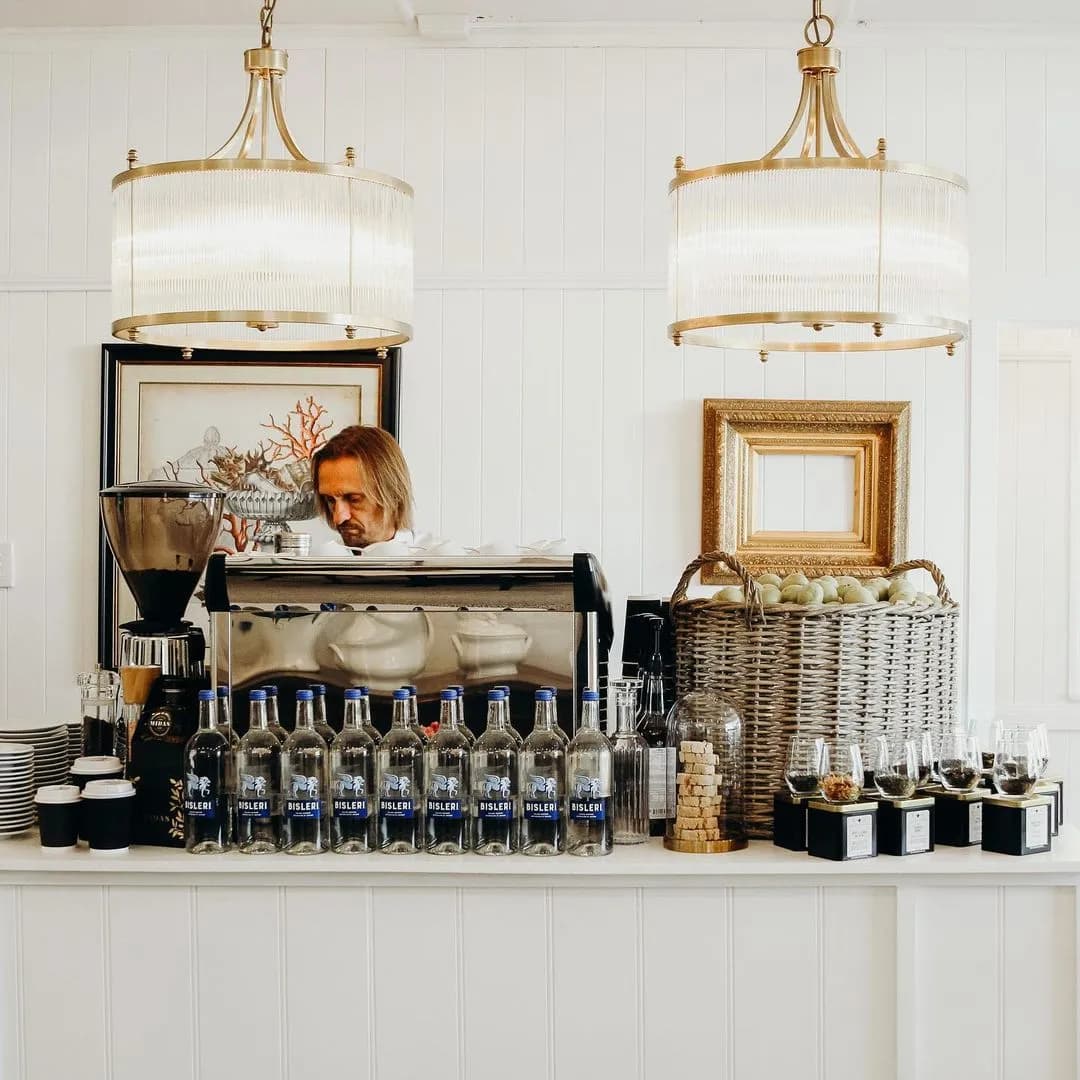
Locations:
{"points": [[161, 534]]}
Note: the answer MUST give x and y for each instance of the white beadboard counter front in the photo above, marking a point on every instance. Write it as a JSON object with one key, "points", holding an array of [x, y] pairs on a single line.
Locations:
{"points": [[647, 964]]}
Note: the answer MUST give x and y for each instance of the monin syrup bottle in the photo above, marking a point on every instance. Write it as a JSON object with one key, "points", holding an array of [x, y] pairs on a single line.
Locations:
{"points": [[206, 778], [401, 775], [542, 782], [446, 779], [588, 778], [304, 826], [258, 771], [352, 783], [494, 783]]}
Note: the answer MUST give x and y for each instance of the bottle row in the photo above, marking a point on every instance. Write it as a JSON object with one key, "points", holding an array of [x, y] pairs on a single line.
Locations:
{"points": [[356, 791]]}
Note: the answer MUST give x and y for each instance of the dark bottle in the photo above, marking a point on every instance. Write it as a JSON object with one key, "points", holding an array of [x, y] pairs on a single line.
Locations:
{"points": [[563, 737], [494, 783], [366, 725], [273, 719], [401, 777], [352, 783], [652, 727], [321, 725], [542, 783], [446, 780], [258, 795], [588, 780], [206, 794]]}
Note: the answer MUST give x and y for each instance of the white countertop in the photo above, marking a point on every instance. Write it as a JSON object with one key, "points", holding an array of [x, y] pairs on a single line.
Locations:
{"points": [[23, 861]]}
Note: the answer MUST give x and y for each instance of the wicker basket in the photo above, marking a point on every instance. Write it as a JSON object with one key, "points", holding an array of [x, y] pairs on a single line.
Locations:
{"points": [[829, 670]]}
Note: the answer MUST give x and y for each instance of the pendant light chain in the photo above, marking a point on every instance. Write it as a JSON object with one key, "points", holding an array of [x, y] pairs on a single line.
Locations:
{"points": [[813, 25], [266, 18]]}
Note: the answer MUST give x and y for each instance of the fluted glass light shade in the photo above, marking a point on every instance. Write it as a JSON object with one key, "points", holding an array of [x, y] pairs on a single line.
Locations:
{"points": [[814, 253], [247, 251]]}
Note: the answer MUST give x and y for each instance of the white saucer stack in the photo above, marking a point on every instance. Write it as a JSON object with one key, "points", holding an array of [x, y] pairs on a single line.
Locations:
{"points": [[16, 788], [74, 742], [50, 745]]}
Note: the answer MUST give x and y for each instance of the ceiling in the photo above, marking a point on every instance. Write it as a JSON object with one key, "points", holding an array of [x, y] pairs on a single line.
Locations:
{"points": [[102, 13]]}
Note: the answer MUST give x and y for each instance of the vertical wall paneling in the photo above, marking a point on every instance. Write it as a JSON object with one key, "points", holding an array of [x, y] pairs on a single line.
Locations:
{"points": [[602, 1039], [665, 106], [154, 1023], [1073, 658], [305, 92], [327, 949], [5, 494], [185, 105], [583, 162], [542, 415], [147, 108], [345, 100], [384, 112], [68, 164], [68, 922], [503, 183], [11, 990], [986, 151], [1025, 163], [31, 100], [239, 934], [6, 120], [225, 93], [463, 161], [1063, 163], [424, 151], [1007, 572], [624, 161], [944, 101], [107, 145], [544, 179], [905, 380]]}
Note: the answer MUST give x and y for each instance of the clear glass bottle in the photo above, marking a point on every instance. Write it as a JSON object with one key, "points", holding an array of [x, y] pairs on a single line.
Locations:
{"points": [[630, 764], [414, 714], [446, 781], [321, 724], [494, 783], [652, 726], [563, 737], [258, 769], [513, 732], [401, 777], [542, 783], [588, 781], [368, 727], [459, 706], [206, 794], [273, 719], [304, 826], [352, 783]]}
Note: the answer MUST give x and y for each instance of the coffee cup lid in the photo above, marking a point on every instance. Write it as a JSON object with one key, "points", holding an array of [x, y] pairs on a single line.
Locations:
{"points": [[95, 766], [108, 789], [58, 793]]}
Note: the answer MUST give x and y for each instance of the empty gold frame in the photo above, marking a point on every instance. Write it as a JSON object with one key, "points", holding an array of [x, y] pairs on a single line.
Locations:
{"points": [[844, 458]]}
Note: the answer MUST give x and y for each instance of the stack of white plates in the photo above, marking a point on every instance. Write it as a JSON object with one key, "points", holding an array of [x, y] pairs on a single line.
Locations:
{"points": [[50, 745], [16, 788], [74, 742]]}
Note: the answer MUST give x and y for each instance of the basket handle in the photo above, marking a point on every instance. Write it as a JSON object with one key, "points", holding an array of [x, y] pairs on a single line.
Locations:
{"points": [[931, 568], [749, 585]]}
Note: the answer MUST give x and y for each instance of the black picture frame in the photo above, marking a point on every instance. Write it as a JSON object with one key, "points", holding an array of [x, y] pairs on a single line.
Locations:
{"points": [[116, 355]]}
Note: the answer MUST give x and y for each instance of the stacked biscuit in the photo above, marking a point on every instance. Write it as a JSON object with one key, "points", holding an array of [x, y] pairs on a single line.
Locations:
{"points": [[697, 802]]}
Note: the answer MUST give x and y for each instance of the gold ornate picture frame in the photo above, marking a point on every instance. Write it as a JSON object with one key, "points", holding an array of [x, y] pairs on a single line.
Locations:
{"points": [[858, 450]]}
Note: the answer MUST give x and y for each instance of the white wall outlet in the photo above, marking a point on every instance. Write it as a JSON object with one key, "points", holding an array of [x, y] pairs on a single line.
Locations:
{"points": [[7, 564]]}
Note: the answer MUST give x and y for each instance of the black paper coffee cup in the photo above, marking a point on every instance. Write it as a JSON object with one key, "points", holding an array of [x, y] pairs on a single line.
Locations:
{"points": [[106, 814], [58, 815], [97, 767]]}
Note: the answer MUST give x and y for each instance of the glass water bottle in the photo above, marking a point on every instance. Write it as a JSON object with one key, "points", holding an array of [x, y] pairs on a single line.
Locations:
{"points": [[508, 719], [303, 783], [542, 783], [588, 780], [563, 737], [366, 725], [321, 724], [401, 777], [414, 714], [630, 759], [352, 783], [258, 771], [652, 726], [459, 706], [446, 781], [494, 783], [206, 793], [273, 720]]}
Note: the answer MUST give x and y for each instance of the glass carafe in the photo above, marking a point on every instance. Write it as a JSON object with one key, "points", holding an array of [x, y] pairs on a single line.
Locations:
{"points": [[98, 690]]}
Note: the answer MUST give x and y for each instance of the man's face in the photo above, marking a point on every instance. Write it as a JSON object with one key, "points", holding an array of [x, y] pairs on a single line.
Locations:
{"points": [[343, 490]]}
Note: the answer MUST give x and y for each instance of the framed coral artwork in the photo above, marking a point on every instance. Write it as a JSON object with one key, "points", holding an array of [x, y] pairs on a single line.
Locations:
{"points": [[229, 420]]}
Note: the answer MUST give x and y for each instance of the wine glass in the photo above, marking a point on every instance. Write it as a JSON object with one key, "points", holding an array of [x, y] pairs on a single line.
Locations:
{"points": [[896, 766], [924, 765], [959, 761], [841, 771], [803, 772], [1016, 762], [1042, 747]]}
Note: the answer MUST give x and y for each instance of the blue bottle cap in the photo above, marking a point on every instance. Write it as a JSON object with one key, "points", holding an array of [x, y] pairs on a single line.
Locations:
{"points": [[401, 694], [304, 695], [449, 694], [222, 691], [271, 690], [411, 689], [495, 695], [256, 695], [353, 694], [589, 695], [505, 689], [319, 688], [361, 690], [543, 695], [459, 689], [207, 695], [553, 690]]}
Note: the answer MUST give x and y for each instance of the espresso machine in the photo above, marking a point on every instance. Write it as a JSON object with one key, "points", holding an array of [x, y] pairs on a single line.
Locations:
{"points": [[161, 535]]}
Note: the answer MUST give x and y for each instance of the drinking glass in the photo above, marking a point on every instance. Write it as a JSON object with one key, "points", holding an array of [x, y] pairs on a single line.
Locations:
{"points": [[841, 771], [959, 761], [1042, 747], [1016, 762], [803, 772], [924, 765], [896, 767]]}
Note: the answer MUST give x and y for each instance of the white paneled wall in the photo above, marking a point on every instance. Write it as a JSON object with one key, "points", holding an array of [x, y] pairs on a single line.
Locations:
{"points": [[540, 396]]}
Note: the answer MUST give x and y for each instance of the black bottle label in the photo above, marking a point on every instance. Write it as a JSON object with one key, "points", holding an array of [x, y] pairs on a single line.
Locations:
{"points": [[495, 809], [541, 810], [587, 810], [252, 808], [201, 808], [444, 809], [397, 808], [352, 809], [303, 809]]}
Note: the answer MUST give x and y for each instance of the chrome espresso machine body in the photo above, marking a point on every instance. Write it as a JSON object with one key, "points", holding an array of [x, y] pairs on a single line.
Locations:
{"points": [[431, 622]]}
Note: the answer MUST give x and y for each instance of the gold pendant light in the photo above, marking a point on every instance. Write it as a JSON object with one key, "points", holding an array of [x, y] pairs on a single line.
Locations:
{"points": [[822, 250], [247, 250]]}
